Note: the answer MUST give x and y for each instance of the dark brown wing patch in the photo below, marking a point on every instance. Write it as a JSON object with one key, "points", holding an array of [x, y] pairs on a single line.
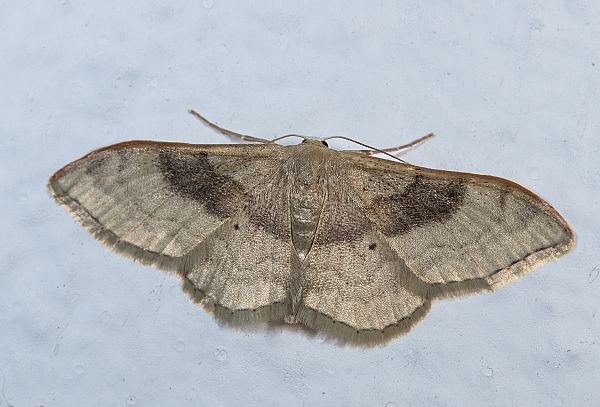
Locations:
{"points": [[190, 175], [423, 201]]}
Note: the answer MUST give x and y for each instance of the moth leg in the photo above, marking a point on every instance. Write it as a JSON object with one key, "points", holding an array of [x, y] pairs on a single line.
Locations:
{"points": [[397, 148], [226, 132]]}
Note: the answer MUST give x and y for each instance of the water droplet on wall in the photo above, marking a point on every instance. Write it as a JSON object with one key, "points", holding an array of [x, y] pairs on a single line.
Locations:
{"points": [[487, 371], [105, 316], [179, 346], [221, 355], [594, 274]]}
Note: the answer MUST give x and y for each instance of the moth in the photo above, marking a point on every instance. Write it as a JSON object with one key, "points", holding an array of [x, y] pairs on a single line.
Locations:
{"points": [[342, 242]]}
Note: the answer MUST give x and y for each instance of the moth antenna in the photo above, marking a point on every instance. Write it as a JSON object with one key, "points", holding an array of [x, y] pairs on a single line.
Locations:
{"points": [[244, 137], [371, 148], [397, 148], [286, 136], [411, 144]]}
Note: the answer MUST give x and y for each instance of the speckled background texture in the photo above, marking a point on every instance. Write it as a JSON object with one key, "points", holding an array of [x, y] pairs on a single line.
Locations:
{"points": [[510, 87]]}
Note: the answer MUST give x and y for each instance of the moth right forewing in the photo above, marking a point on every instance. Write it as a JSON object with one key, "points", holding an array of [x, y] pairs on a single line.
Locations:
{"points": [[354, 285], [462, 231]]}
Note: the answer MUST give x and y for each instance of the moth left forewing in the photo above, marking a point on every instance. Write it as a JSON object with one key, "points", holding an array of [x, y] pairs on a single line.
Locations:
{"points": [[215, 214], [156, 201], [458, 232]]}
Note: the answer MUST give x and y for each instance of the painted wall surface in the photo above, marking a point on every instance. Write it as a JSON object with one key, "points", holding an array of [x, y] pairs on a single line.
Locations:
{"points": [[510, 87]]}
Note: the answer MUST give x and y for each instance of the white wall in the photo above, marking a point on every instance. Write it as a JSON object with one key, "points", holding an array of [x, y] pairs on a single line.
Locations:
{"points": [[510, 87]]}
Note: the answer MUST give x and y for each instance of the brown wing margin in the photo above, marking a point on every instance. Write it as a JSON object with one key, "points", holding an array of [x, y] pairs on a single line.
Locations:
{"points": [[166, 144]]}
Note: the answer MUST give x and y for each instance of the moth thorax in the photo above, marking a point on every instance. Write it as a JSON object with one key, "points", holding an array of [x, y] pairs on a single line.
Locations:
{"points": [[306, 204]]}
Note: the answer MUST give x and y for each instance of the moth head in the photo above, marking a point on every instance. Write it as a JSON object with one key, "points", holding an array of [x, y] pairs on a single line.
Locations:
{"points": [[316, 141]]}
